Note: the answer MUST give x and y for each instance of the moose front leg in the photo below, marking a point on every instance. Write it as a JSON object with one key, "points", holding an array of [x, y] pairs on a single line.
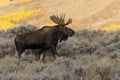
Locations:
{"points": [[54, 51], [42, 57]]}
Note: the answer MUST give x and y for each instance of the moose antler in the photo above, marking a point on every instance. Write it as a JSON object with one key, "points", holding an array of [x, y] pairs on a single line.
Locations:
{"points": [[69, 22], [60, 20]]}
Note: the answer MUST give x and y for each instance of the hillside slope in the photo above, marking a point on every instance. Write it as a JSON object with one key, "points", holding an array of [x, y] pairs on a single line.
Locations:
{"points": [[92, 14]]}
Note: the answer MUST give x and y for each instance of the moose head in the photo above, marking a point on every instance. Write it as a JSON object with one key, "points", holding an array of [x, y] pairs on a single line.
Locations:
{"points": [[60, 21]]}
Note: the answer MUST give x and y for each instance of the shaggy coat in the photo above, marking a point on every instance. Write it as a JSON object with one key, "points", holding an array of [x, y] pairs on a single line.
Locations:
{"points": [[44, 38]]}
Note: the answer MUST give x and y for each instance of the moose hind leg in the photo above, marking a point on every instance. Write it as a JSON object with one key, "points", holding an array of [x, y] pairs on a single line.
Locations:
{"points": [[40, 56]]}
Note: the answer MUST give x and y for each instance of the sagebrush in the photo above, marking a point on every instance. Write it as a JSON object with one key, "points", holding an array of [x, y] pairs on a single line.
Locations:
{"points": [[89, 55]]}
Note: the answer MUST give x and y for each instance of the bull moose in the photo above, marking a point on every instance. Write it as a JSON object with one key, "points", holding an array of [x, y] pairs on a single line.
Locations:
{"points": [[45, 38]]}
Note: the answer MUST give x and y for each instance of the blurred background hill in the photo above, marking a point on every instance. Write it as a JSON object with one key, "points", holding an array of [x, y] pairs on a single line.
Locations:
{"points": [[86, 14]]}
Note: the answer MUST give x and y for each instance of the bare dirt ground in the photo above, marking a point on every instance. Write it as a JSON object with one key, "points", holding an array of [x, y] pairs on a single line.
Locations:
{"points": [[90, 14]]}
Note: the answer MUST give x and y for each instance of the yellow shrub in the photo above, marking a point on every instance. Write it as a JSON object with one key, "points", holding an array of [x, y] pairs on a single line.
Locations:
{"points": [[26, 1], [111, 28], [4, 1], [20, 1], [48, 24], [14, 19], [17, 17], [6, 25]]}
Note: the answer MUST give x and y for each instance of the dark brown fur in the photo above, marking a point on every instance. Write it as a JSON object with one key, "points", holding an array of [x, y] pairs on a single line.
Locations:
{"points": [[43, 39]]}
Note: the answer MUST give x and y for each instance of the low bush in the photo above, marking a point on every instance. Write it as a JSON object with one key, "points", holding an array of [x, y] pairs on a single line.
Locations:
{"points": [[89, 55]]}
